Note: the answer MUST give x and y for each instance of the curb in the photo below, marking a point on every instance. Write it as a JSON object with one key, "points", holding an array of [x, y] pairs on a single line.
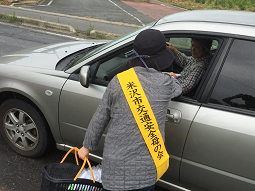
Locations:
{"points": [[52, 26], [16, 2], [57, 27], [103, 35], [46, 25], [64, 28], [74, 17]]}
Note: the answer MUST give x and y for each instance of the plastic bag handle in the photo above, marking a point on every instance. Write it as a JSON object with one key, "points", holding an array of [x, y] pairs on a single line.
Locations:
{"points": [[83, 165]]}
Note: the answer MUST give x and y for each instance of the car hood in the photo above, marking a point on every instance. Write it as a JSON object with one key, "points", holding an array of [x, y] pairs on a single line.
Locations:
{"points": [[48, 56]]}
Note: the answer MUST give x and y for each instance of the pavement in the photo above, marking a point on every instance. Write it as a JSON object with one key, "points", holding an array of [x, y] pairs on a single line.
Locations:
{"points": [[155, 10], [106, 29]]}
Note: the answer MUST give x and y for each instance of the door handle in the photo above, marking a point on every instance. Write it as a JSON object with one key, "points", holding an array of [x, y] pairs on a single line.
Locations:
{"points": [[173, 115]]}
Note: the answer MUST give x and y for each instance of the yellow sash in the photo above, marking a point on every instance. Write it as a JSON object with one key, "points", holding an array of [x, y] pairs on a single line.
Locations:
{"points": [[145, 119]]}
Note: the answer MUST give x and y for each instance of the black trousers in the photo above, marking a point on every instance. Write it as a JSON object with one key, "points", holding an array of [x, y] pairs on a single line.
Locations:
{"points": [[150, 188]]}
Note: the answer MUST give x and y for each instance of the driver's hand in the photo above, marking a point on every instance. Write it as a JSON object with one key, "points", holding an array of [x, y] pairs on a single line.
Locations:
{"points": [[171, 47]]}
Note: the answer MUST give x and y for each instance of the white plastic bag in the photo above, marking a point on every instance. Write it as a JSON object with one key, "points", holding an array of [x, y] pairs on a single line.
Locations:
{"points": [[97, 171]]}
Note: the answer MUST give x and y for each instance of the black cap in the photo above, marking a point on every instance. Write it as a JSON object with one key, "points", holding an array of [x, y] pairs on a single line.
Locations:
{"points": [[152, 42]]}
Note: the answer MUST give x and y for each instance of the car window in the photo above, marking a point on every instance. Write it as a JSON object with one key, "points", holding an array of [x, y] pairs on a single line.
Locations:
{"points": [[119, 63], [71, 59], [182, 44], [235, 86]]}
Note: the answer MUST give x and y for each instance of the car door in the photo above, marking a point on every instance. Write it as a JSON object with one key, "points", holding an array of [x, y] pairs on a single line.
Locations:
{"points": [[181, 113], [219, 153], [76, 107], [78, 104]]}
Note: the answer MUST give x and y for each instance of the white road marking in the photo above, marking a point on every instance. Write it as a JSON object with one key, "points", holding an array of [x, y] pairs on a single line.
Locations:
{"points": [[41, 31], [50, 3], [127, 13], [47, 4]]}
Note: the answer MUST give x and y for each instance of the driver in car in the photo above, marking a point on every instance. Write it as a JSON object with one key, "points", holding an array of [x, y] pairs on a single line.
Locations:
{"points": [[193, 66]]}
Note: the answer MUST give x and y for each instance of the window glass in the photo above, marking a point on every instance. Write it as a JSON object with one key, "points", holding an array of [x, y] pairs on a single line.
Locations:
{"points": [[235, 86], [214, 45], [116, 41], [181, 42], [115, 65]]}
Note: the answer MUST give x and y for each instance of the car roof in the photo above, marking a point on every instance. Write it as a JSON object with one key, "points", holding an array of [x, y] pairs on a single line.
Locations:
{"points": [[215, 16]]}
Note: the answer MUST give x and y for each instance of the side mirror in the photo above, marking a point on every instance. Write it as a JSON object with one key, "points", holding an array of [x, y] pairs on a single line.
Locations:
{"points": [[84, 76]]}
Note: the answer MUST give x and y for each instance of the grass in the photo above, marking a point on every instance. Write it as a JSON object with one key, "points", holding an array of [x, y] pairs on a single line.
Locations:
{"points": [[137, 0], [4, 2], [89, 30], [10, 18], [77, 32], [241, 5]]}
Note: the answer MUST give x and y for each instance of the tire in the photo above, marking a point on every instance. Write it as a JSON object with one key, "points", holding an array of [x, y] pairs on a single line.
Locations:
{"points": [[23, 128]]}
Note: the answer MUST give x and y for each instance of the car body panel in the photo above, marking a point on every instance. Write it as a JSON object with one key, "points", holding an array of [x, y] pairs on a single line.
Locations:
{"points": [[228, 29], [54, 53], [175, 136], [33, 84], [76, 108], [216, 136], [211, 16]]}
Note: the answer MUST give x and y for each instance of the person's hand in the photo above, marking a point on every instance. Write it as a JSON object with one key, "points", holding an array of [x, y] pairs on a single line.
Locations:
{"points": [[171, 47], [83, 152], [173, 75]]}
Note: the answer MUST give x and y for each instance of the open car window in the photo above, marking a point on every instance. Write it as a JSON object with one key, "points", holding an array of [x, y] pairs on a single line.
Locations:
{"points": [[118, 61], [182, 44]]}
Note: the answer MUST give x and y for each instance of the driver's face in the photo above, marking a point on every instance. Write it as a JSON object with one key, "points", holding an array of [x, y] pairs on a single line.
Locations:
{"points": [[197, 49]]}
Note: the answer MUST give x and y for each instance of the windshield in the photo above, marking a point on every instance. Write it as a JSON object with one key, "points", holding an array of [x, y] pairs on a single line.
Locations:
{"points": [[112, 43]]}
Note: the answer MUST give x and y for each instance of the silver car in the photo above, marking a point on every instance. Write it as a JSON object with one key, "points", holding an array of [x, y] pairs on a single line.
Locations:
{"points": [[49, 94]]}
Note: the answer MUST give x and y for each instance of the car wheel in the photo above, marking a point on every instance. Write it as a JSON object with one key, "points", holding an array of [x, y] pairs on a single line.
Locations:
{"points": [[23, 128]]}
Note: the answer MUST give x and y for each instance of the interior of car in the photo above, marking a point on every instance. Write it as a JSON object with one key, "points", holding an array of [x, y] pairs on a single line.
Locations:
{"points": [[118, 63]]}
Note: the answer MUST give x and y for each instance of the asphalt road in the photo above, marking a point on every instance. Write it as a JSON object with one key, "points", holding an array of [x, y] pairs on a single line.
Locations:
{"points": [[17, 172], [78, 23], [14, 38], [110, 10], [20, 173]]}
